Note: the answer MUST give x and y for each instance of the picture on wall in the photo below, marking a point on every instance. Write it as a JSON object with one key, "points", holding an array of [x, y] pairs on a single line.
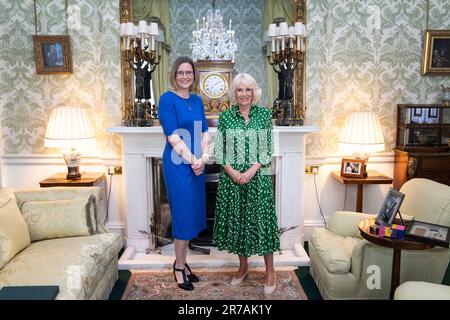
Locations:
{"points": [[52, 54], [436, 53]]}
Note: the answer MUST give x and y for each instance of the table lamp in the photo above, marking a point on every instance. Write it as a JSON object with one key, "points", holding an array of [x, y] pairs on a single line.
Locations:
{"points": [[361, 135], [68, 128]]}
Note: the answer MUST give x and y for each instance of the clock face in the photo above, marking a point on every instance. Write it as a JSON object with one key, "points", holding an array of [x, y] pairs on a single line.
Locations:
{"points": [[214, 85]]}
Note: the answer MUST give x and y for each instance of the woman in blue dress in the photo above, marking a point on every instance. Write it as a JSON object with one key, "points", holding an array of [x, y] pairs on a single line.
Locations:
{"points": [[182, 118]]}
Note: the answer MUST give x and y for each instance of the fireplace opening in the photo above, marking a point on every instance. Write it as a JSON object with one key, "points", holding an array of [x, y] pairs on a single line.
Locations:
{"points": [[162, 222]]}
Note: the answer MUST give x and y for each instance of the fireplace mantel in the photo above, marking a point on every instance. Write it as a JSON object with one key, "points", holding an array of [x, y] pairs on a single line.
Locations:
{"points": [[140, 144]]}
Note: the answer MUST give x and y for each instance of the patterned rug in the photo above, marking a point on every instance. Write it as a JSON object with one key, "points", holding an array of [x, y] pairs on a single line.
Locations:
{"points": [[213, 285]]}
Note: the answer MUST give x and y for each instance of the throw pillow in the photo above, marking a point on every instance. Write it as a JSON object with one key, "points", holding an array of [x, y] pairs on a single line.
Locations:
{"points": [[59, 218], [14, 236]]}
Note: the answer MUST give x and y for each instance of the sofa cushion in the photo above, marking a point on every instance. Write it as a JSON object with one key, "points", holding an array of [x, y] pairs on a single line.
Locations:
{"points": [[334, 251], [61, 193], [14, 235], [59, 218], [76, 264]]}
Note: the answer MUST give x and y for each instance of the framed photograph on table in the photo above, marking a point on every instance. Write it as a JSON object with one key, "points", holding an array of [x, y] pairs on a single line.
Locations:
{"points": [[352, 168], [390, 207], [428, 232], [52, 54], [436, 53]]}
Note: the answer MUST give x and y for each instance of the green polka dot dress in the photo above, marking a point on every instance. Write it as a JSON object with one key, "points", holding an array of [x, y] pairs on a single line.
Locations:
{"points": [[246, 221]]}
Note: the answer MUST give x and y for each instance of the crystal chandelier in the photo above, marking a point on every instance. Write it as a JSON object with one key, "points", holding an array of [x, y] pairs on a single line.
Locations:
{"points": [[212, 41]]}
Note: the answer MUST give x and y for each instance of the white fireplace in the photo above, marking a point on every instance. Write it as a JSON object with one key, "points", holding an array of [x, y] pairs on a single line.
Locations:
{"points": [[141, 144]]}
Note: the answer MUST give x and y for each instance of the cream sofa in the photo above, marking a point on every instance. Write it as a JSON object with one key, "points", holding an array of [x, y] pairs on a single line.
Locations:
{"points": [[53, 236], [419, 290], [342, 263]]}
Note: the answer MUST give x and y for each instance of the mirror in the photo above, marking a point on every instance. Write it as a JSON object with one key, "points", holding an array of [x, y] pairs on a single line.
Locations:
{"points": [[130, 114]]}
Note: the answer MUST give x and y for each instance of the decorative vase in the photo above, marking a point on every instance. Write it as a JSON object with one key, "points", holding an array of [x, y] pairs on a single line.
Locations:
{"points": [[445, 96]]}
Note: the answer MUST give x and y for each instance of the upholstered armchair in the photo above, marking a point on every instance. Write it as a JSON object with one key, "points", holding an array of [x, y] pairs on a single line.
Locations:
{"points": [[419, 290], [345, 266]]}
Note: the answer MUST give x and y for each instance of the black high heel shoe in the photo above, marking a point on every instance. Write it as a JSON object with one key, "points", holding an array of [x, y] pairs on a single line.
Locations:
{"points": [[186, 284], [192, 277]]}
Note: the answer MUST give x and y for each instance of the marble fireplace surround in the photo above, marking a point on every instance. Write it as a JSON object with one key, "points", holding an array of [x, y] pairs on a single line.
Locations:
{"points": [[141, 144]]}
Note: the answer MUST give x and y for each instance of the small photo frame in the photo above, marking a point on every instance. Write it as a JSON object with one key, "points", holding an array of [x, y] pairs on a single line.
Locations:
{"points": [[417, 112], [433, 113], [52, 54], [436, 53], [390, 207], [352, 168], [428, 232]]}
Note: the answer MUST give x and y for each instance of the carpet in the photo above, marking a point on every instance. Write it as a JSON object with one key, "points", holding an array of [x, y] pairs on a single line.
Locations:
{"points": [[213, 285]]}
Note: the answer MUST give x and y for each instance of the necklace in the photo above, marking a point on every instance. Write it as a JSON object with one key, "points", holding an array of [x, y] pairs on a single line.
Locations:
{"points": [[185, 100], [187, 104]]}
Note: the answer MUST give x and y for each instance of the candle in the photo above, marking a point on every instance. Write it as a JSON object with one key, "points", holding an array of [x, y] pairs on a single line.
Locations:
{"points": [[277, 46], [282, 43], [153, 43], [203, 22], [230, 24], [197, 24], [273, 44], [298, 43]]}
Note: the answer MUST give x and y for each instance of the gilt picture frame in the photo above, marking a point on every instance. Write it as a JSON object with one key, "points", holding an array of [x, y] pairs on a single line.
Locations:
{"points": [[52, 54], [436, 53]]}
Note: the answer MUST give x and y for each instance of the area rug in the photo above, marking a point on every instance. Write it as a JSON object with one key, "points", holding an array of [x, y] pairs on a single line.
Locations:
{"points": [[213, 285]]}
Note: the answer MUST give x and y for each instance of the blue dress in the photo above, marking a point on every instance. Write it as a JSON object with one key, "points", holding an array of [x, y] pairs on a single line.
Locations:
{"points": [[185, 190]]}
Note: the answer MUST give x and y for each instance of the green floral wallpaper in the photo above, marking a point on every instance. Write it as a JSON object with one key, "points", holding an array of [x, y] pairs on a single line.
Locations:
{"points": [[365, 55], [27, 98], [361, 55]]}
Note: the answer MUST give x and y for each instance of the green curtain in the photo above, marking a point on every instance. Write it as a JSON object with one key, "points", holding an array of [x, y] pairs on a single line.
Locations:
{"points": [[275, 9], [145, 10]]}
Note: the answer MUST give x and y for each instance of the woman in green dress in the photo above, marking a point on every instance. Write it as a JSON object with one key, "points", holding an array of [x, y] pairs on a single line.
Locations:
{"points": [[246, 221]]}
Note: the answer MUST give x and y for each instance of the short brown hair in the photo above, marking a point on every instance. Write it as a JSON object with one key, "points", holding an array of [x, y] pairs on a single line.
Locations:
{"points": [[173, 72]]}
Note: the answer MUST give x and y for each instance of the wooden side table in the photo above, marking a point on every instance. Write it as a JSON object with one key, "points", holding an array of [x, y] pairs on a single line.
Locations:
{"points": [[396, 244], [88, 179], [373, 177]]}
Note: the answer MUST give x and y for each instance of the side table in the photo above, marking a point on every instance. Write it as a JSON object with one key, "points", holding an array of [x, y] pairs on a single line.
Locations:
{"points": [[373, 177], [396, 244], [88, 179]]}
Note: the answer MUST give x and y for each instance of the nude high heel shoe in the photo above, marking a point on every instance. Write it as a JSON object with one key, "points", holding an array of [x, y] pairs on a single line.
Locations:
{"points": [[237, 281], [268, 290]]}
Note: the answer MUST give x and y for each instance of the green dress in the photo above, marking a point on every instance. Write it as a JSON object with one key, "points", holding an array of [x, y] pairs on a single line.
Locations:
{"points": [[246, 221]]}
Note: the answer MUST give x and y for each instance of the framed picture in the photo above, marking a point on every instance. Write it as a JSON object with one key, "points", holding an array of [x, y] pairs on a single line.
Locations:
{"points": [[436, 53], [433, 113], [428, 232], [352, 168], [52, 54], [390, 207]]}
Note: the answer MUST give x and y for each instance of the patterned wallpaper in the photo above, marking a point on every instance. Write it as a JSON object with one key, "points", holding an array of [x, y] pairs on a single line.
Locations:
{"points": [[361, 55], [365, 55], [246, 16], [27, 98]]}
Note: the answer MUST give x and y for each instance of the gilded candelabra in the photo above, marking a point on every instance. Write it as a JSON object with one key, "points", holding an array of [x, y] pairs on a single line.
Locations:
{"points": [[288, 52], [140, 53]]}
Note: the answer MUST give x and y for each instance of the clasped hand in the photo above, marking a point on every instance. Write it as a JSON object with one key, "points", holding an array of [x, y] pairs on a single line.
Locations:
{"points": [[243, 178], [197, 166]]}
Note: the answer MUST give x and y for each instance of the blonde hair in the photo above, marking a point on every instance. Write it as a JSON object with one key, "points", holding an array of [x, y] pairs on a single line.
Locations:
{"points": [[173, 72], [249, 82]]}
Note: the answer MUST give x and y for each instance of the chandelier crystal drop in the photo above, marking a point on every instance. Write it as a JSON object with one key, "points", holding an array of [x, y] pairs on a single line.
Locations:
{"points": [[212, 41]]}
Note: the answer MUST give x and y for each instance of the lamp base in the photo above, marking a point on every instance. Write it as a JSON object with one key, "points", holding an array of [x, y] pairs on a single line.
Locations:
{"points": [[73, 173]]}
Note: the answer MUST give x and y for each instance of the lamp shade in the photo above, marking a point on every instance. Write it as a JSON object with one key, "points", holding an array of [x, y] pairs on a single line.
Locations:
{"points": [[361, 134], [69, 127]]}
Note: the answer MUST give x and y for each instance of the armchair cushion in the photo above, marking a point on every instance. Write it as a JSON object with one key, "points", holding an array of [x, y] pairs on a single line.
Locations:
{"points": [[420, 290], [333, 250], [14, 236], [59, 218]]}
